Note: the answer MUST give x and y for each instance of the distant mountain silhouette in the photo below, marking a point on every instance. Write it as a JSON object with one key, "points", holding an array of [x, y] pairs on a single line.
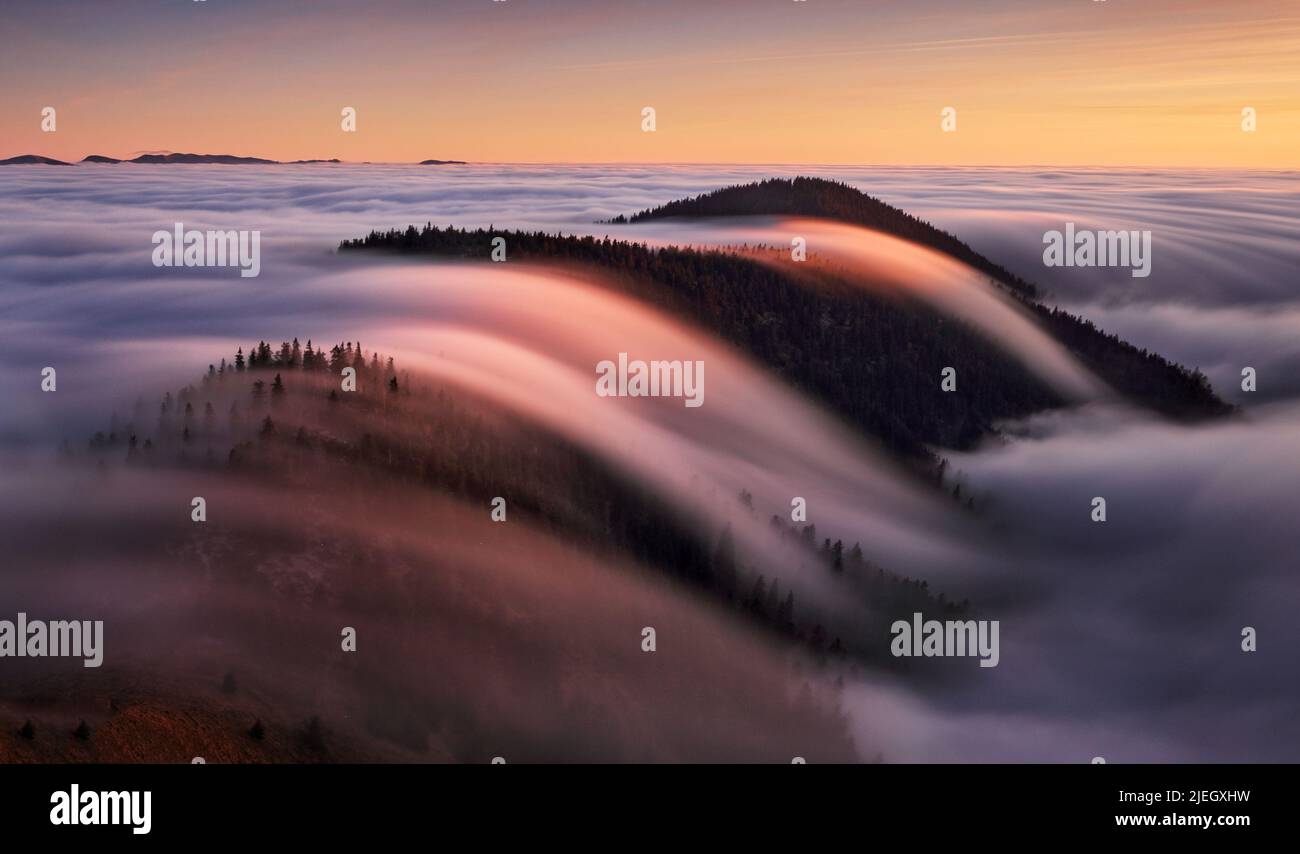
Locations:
{"points": [[198, 158], [24, 159], [180, 157]]}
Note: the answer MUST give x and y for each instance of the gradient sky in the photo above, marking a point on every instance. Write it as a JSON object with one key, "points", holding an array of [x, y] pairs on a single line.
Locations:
{"points": [[1066, 82]]}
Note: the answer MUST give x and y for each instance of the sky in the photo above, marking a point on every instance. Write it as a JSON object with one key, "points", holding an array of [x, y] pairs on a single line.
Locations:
{"points": [[1033, 82]]}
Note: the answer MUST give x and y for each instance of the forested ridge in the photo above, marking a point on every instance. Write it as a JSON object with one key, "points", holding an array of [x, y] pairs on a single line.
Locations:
{"points": [[278, 413], [1143, 376], [818, 197], [875, 359]]}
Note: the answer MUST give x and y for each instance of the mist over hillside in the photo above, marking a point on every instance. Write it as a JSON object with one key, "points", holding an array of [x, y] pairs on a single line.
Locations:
{"points": [[313, 495], [872, 356], [374, 510]]}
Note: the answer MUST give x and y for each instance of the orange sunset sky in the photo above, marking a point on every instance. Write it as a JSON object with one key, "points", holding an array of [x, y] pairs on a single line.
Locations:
{"points": [[1067, 82]]}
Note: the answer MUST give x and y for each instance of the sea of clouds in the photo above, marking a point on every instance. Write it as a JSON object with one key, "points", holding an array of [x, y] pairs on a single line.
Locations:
{"points": [[1119, 639]]}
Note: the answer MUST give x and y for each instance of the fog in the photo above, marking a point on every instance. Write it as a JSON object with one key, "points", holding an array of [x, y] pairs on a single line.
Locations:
{"points": [[1120, 639], [886, 264], [474, 640]]}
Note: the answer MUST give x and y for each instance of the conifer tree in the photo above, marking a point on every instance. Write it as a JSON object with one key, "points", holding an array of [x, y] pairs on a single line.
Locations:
{"points": [[757, 596], [785, 616]]}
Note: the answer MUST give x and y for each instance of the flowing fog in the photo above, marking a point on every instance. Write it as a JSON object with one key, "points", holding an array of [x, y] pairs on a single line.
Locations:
{"points": [[890, 265], [1118, 639]]}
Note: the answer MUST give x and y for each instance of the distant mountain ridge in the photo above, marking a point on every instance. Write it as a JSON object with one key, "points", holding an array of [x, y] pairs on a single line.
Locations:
{"points": [[32, 159], [177, 157], [186, 158]]}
